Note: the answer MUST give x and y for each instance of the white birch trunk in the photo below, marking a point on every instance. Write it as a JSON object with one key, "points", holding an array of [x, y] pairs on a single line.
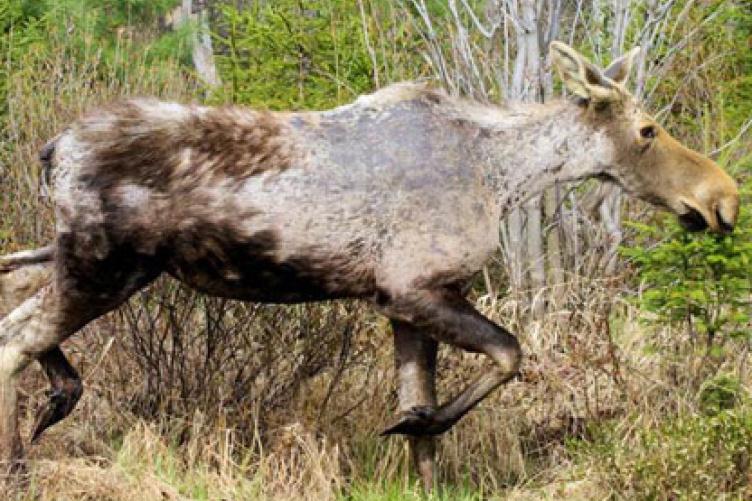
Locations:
{"points": [[202, 51], [514, 223], [551, 200], [532, 92]]}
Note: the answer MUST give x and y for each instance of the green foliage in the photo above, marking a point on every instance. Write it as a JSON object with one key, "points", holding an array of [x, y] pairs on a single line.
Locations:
{"points": [[720, 393], [735, 88], [698, 281], [106, 34], [20, 30], [711, 78], [317, 54], [281, 56], [690, 457]]}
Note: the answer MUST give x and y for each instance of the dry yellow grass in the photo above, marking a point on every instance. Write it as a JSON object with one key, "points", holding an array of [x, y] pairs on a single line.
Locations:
{"points": [[512, 447]]}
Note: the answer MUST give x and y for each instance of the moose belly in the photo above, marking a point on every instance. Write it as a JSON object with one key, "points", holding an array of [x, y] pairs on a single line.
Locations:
{"points": [[252, 273]]}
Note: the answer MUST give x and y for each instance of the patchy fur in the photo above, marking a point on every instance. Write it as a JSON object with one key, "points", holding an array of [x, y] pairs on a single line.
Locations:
{"points": [[22, 282], [159, 144]]}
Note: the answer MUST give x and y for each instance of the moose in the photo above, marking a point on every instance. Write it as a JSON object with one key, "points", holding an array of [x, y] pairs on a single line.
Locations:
{"points": [[394, 199]]}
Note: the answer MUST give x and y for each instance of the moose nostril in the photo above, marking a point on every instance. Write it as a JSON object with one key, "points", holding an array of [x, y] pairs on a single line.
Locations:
{"points": [[724, 225], [692, 220]]}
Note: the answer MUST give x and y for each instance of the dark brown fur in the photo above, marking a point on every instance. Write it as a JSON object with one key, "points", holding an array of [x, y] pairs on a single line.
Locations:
{"points": [[226, 141]]}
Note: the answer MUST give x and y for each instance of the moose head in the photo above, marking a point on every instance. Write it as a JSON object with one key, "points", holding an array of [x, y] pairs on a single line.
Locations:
{"points": [[647, 161]]}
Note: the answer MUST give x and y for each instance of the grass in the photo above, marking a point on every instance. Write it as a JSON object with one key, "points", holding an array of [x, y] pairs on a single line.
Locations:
{"points": [[145, 465], [692, 456], [522, 445], [399, 492]]}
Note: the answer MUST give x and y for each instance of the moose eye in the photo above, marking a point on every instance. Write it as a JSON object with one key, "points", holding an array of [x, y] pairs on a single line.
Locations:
{"points": [[648, 132]]}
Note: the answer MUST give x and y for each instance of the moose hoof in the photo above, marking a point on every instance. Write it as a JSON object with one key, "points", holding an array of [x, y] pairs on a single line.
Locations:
{"points": [[60, 403], [417, 421]]}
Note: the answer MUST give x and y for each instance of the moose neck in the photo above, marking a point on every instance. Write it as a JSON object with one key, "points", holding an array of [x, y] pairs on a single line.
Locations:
{"points": [[526, 148]]}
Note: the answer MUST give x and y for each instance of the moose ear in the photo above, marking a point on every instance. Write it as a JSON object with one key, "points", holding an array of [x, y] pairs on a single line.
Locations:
{"points": [[581, 76], [620, 69]]}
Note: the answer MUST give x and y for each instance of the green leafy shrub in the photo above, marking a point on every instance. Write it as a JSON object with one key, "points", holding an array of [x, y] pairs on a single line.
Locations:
{"points": [[700, 282], [720, 393], [281, 56], [690, 457], [318, 54], [105, 34]]}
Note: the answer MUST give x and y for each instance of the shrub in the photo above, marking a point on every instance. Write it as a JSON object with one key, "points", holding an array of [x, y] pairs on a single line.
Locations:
{"points": [[690, 457], [697, 282], [720, 393], [700, 280], [279, 55]]}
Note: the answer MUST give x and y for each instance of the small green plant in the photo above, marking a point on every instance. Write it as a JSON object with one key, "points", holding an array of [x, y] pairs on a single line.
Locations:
{"points": [[698, 282], [720, 393]]}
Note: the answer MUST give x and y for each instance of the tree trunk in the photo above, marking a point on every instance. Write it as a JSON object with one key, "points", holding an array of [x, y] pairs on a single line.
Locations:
{"points": [[532, 91], [514, 247], [202, 51], [551, 198], [555, 275]]}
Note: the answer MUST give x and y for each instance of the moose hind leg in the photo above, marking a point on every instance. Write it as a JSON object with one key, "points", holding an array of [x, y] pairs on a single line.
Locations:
{"points": [[11, 450], [65, 392], [415, 359], [450, 318], [23, 328], [35, 329]]}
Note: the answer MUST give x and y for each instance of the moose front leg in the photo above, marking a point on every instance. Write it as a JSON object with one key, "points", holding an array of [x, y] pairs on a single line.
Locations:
{"points": [[415, 359], [450, 318]]}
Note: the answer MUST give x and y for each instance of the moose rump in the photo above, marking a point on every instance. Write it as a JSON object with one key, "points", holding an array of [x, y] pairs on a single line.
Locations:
{"points": [[193, 191]]}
